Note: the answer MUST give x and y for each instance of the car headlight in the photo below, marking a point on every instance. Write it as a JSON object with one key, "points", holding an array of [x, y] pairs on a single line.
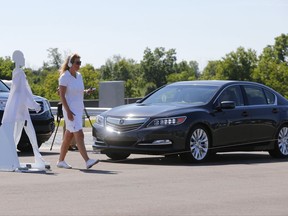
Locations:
{"points": [[2, 104], [167, 121], [99, 120], [46, 105]]}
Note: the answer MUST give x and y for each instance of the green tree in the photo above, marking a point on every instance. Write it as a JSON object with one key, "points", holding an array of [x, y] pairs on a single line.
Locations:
{"points": [[272, 68], [118, 68], [195, 66], [51, 85], [91, 78], [156, 66], [55, 59], [184, 71], [237, 65], [211, 70], [281, 48], [44, 81], [134, 85], [6, 68]]}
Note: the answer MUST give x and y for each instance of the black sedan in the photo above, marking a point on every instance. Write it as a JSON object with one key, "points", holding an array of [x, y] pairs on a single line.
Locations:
{"points": [[196, 119]]}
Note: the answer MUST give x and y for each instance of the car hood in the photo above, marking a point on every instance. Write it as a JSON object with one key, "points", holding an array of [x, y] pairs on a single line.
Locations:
{"points": [[148, 110]]}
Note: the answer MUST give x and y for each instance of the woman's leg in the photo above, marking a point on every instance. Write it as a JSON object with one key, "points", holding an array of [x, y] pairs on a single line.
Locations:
{"points": [[72, 145], [65, 145], [79, 137]]}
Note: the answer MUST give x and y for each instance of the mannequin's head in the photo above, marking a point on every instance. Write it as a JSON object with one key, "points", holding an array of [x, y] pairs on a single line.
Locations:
{"points": [[18, 58]]}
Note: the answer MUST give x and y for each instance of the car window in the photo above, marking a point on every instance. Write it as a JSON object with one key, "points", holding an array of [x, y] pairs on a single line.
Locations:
{"points": [[190, 94], [3, 87], [255, 95], [270, 97], [232, 93]]}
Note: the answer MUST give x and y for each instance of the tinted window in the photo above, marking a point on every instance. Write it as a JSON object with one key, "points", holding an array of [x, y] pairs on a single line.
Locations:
{"points": [[255, 95], [191, 94], [3, 88], [270, 97], [232, 93]]}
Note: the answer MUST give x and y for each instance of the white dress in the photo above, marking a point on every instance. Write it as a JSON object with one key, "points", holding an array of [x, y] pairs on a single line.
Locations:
{"points": [[74, 96]]}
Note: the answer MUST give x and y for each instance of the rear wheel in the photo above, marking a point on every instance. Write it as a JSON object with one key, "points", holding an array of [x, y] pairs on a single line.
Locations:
{"points": [[197, 145], [281, 144]]}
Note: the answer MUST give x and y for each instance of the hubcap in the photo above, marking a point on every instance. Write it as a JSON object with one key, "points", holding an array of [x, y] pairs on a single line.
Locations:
{"points": [[283, 141], [199, 144]]}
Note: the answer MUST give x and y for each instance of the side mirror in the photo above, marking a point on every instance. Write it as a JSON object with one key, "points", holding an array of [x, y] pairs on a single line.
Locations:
{"points": [[227, 105]]}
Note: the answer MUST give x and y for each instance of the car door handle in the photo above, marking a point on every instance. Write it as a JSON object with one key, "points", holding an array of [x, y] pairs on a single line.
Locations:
{"points": [[274, 110], [245, 113]]}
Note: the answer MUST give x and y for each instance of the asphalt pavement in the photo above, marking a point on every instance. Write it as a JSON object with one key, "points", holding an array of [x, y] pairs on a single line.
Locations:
{"points": [[232, 184]]}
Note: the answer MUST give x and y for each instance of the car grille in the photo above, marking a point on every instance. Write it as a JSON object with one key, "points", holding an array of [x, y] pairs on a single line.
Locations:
{"points": [[124, 124]]}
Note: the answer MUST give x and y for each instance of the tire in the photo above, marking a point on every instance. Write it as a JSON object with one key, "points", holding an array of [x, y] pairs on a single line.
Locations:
{"points": [[197, 145], [117, 155], [26, 147], [281, 144]]}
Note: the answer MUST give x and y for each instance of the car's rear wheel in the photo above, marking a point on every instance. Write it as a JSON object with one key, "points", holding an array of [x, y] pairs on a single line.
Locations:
{"points": [[117, 155], [281, 144], [197, 145]]}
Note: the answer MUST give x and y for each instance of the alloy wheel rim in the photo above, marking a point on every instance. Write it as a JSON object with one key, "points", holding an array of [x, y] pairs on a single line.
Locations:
{"points": [[199, 144], [283, 141]]}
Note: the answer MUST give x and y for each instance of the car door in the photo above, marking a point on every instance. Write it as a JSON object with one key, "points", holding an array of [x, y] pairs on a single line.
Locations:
{"points": [[262, 111], [230, 126]]}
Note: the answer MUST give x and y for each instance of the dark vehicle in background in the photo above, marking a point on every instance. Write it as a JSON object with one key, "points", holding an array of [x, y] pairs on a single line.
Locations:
{"points": [[43, 121], [196, 119]]}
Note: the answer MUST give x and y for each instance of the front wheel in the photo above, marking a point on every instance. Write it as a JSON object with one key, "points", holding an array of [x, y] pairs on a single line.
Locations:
{"points": [[117, 155], [281, 144], [197, 145], [26, 147]]}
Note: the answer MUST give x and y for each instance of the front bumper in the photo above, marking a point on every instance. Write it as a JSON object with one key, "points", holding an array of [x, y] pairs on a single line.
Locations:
{"points": [[43, 130], [156, 140]]}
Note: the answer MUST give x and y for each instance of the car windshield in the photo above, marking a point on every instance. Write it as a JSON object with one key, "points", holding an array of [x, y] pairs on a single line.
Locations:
{"points": [[185, 94], [3, 87]]}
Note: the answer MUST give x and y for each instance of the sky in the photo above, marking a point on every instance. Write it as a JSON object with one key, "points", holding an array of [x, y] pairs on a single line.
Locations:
{"points": [[199, 30]]}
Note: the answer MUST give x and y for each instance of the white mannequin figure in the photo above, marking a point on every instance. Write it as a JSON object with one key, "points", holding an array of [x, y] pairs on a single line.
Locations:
{"points": [[16, 110]]}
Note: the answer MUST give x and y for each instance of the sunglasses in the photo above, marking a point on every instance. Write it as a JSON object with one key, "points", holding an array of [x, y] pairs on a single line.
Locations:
{"points": [[78, 62]]}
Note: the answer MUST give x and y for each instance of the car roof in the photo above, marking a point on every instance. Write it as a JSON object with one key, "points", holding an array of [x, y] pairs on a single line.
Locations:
{"points": [[212, 82], [224, 83]]}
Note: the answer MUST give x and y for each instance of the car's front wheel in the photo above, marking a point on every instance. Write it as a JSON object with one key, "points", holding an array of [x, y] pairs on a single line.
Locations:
{"points": [[117, 155], [197, 146], [26, 146], [281, 143]]}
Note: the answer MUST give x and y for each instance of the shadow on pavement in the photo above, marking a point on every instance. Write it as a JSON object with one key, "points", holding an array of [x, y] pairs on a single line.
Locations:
{"points": [[219, 159], [95, 171], [29, 154]]}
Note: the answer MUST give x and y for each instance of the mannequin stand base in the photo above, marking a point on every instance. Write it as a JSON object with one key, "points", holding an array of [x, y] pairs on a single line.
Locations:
{"points": [[31, 167]]}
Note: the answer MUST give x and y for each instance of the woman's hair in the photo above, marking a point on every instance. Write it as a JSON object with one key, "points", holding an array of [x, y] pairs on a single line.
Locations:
{"points": [[70, 58]]}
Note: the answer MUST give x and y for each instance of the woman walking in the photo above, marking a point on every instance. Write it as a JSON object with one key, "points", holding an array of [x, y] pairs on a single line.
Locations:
{"points": [[71, 90]]}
